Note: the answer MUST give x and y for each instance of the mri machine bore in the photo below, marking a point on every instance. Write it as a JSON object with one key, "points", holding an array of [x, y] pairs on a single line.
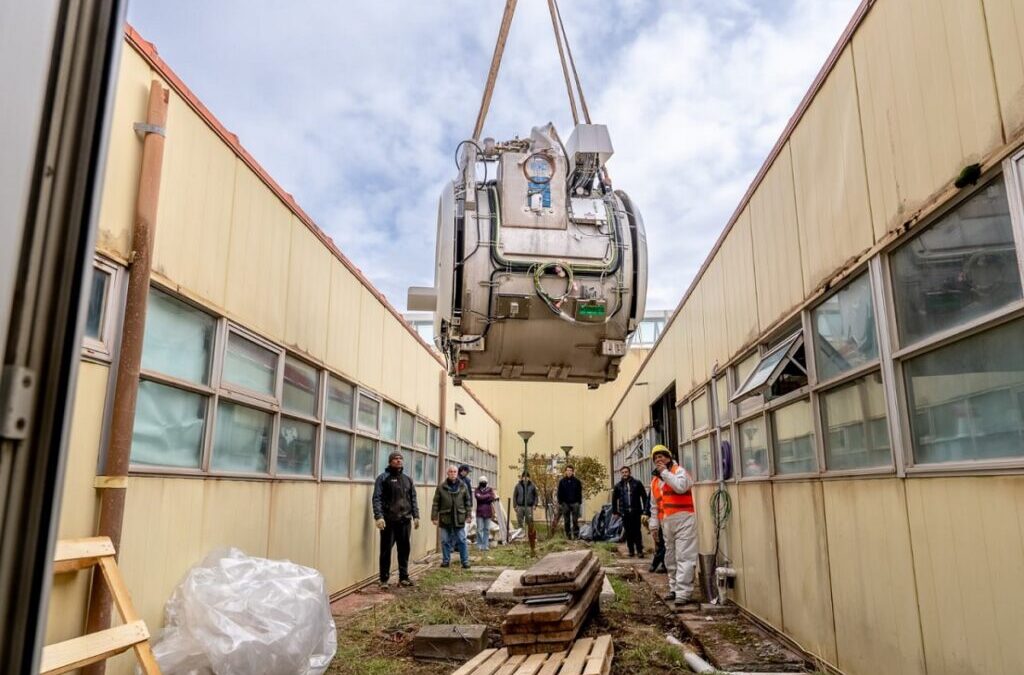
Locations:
{"points": [[541, 268]]}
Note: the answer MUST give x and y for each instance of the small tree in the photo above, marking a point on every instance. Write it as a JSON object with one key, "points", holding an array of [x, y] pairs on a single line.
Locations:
{"points": [[547, 470], [591, 472]]}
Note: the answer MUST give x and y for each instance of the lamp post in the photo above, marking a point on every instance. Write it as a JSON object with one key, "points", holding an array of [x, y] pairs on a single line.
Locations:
{"points": [[566, 449], [525, 435]]}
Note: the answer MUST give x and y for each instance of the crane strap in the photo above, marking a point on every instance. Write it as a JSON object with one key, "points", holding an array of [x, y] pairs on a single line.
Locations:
{"points": [[492, 74]]}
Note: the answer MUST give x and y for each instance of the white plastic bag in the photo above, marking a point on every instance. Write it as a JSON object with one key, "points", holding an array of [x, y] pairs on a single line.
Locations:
{"points": [[233, 614]]}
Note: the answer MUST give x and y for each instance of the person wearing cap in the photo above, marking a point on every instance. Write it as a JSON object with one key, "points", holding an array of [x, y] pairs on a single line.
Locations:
{"points": [[658, 560], [452, 511], [674, 519], [485, 498], [395, 512], [464, 477]]}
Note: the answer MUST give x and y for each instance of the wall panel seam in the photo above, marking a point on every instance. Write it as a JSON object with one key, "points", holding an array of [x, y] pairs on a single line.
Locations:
{"points": [[992, 69]]}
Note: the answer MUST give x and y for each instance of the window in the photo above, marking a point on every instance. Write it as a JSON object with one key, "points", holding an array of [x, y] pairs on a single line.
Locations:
{"points": [[700, 411], [742, 371], [419, 467], [844, 327], [793, 429], [722, 400], [966, 399], [685, 421], [389, 422], [408, 428], [432, 441], [369, 412], [854, 425], [100, 319], [778, 372], [339, 402], [337, 453], [365, 459], [705, 460], [296, 447], [301, 387], [170, 425], [686, 459], [96, 317], [178, 340], [385, 454], [250, 366], [173, 396], [421, 434], [960, 268], [242, 439], [753, 448]]}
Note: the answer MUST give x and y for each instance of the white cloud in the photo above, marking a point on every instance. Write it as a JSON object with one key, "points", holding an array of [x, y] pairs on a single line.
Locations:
{"points": [[355, 108]]}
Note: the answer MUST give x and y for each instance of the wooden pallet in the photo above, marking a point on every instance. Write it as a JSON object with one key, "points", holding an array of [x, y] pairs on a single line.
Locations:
{"points": [[62, 657], [589, 656]]}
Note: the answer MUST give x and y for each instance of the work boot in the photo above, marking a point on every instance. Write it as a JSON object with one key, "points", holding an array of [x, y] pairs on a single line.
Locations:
{"points": [[383, 583], [663, 570], [669, 597], [406, 582], [444, 564], [465, 566], [653, 567]]}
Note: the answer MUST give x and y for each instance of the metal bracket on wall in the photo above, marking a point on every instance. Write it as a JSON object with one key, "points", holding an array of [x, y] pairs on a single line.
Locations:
{"points": [[17, 393], [141, 128]]}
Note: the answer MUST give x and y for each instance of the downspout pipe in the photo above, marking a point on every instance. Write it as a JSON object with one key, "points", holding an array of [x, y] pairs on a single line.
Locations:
{"points": [[113, 484]]}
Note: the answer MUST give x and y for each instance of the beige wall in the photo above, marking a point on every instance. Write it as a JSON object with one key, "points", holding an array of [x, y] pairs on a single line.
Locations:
{"points": [[559, 414], [871, 574], [229, 242]]}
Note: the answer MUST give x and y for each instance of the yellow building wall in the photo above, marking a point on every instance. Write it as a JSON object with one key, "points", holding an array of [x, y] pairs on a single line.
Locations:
{"points": [[1005, 22], [760, 564]]}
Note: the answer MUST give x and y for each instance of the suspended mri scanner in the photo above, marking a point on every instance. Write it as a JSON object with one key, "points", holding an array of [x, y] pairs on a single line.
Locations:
{"points": [[541, 268]]}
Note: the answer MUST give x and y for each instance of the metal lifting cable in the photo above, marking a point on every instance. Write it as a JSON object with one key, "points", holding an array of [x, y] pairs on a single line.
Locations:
{"points": [[561, 57], [572, 64], [492, 75]]}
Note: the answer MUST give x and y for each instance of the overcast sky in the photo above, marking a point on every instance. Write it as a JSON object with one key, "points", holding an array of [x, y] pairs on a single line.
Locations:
{"points": [[356, 107]]}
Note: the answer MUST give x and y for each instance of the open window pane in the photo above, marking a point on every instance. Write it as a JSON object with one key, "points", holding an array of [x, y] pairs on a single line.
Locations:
{"points": [[169, 426], [178, 339], [700, 411], [250, 366], [369, 410], [339, 402], [97, 314], [743, 370], [296, 446], [770, 368], [754, 448], [844, 330], [365, 459], [337, 453], [421, 434], [793, 426], [855, 427], [301, 385], [408, 428], [242, 440], [967, 398], [963, 266], [705, 460], [388, 422]]}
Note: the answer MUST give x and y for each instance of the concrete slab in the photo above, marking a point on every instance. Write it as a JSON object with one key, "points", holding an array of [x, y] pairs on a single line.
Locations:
{"points": [[501, 589], [449, 642]]}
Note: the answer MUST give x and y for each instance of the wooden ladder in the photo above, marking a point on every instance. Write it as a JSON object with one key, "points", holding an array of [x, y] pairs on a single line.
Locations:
{"points": [[79, 554]]}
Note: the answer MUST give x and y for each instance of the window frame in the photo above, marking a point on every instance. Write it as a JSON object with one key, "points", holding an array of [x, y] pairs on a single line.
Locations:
{"points": [[102, 349]]}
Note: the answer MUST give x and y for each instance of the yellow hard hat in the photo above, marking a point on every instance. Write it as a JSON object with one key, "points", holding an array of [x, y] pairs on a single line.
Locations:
{"points": [[660, 448]]}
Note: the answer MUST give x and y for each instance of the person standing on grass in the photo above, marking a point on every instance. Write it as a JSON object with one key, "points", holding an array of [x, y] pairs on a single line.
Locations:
{"points": [[570, 501], [658, 560], [464, 471], [394, 511], [451, 511], [629, 500], [485, 498], [676, 521], [524, 501]]}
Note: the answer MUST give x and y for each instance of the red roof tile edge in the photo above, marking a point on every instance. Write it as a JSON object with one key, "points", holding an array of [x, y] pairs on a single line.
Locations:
{"points": [[148, 52]]}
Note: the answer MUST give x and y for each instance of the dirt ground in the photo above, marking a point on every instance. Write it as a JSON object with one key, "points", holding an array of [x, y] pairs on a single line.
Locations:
{"points": [[375, 634]]}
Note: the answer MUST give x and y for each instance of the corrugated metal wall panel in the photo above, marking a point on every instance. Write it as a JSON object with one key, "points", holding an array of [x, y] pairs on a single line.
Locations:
{"points": [[828, 167], [197, 187], [872, 572], [716, 332], [294, 518], [760, 557], [803, 566], [927, 100], [343, 321], [309, 299], [778, 271], [968, 541], [740, 275], [371, 334], [1005, 22]]}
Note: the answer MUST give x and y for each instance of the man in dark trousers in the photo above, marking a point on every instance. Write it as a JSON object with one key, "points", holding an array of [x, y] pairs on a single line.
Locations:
{"points": [[395, 513], [630, 501], [451, 511], [524, 500], [570, 501]]}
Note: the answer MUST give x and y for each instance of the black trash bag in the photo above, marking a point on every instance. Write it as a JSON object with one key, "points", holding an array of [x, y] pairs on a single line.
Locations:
{"points": [[604, 526]]}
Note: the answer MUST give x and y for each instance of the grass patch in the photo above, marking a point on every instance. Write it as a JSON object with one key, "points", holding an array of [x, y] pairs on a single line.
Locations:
{"points": [[623, 590]]}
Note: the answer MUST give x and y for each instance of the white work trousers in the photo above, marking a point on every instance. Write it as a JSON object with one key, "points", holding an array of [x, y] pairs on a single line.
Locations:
{"points": [[680, 532]]}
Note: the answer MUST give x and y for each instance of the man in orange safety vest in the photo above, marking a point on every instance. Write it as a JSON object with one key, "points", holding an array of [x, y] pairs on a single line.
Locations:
{"points": [[673, 514]]}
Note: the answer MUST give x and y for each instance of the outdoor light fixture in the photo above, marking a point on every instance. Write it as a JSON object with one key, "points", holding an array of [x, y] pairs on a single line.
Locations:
{"points": [[459, 410], [566, 449], [525, 435]]}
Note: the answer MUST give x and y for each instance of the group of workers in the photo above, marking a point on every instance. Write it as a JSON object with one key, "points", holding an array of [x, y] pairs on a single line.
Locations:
{"points": [[667, 511]]}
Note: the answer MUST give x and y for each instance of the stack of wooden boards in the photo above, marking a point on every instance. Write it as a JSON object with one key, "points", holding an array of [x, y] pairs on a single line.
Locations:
{"points": [[589, 656], [538, 628]]}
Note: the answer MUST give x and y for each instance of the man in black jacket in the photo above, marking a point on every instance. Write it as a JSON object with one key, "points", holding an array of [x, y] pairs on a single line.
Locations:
{"points": [[570, 501], [630, 501], [395, 512]]}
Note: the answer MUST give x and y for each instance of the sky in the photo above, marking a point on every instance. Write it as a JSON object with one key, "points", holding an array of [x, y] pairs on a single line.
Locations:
{"points": [[356, 108]]}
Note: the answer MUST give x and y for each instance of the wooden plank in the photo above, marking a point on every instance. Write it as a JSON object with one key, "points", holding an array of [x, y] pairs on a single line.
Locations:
{"points": [[539, 648], [540, 636], [600, 660], [557, 567], [491, 665], [577, 657], [577, 584], [77, 652], [76, 554], [529, 614], [531, 665], [469, 666], [570, 620], [510, 666], [553, 664]]}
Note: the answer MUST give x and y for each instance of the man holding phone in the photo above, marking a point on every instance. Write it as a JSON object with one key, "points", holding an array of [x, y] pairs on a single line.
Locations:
{"points": [[674, 519]]}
